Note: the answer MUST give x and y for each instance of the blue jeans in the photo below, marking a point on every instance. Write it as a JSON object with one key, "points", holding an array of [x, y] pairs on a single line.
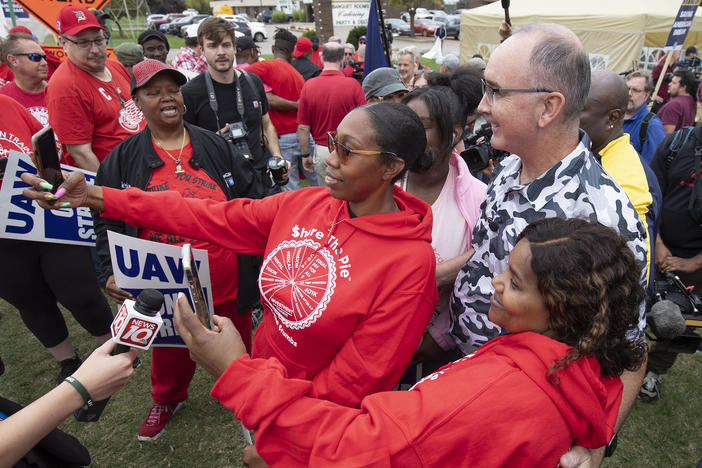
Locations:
{"points": [[290, 149]]}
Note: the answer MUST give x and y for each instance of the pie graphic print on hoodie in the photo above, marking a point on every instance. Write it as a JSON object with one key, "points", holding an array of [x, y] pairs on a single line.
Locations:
{"points": [[301, 274]]}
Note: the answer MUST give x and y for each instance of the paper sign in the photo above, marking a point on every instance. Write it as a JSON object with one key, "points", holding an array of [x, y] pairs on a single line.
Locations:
{"points": [[23, 219], [139, 264], [58, 51], [47, 11]]}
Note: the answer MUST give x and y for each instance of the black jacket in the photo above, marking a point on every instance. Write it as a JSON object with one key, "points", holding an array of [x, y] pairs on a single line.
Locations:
{"points": [[130, 164]]}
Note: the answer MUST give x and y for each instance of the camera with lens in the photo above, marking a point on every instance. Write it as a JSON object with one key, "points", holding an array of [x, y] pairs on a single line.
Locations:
{"points": [[478, 155], [236, 131], [277, 168], [674, 311]]}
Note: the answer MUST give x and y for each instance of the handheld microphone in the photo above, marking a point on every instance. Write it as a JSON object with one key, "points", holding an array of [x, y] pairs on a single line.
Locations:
{"points": [[135, 325], [505, 6]]}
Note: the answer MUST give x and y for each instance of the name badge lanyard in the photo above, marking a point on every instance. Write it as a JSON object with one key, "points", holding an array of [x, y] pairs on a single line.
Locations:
{"points": [[240, 143]]}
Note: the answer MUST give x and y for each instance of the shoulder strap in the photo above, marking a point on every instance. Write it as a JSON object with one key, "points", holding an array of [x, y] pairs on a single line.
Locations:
{"points": [[251, 84], [643, 130], [678, 141]]}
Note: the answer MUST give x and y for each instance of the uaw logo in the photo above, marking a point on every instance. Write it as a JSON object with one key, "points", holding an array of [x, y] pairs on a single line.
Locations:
{"points": [[130, 117], [297, 281], [9, 141]]}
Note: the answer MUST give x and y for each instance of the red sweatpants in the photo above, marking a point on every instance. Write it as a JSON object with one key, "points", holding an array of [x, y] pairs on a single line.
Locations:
{"points": [[172, 369]]}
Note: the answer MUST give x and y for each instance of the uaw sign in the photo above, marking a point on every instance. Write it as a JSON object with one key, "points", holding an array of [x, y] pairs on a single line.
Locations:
{"points": [[139, 264], [23, 219], [682, 24]]}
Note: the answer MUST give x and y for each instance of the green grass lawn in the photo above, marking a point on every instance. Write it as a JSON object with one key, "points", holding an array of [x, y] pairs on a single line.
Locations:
{"points": [[203, 433]]}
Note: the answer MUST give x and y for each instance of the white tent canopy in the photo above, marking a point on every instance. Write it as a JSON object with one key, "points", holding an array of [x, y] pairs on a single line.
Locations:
{"points": [[612, 31]]}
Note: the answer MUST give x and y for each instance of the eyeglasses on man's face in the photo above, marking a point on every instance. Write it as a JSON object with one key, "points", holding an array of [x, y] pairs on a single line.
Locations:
{"points": [[33, 56], [344, 151], [491, 91], [87, 44]]}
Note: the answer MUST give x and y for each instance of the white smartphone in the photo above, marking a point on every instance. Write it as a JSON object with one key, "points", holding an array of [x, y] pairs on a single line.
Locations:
{"points": [[197, 295]]}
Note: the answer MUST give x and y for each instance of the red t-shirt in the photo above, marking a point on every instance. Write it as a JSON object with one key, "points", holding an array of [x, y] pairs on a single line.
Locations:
{"points": [[316, 57], [194, 183], [16, 127], [5, 75], [35, 103], [84, 109], [325, 101], [285, 82]]}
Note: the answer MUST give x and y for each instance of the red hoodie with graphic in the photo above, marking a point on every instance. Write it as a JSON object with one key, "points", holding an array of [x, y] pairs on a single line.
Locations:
{"points": [[495, 407], [345, 299]]}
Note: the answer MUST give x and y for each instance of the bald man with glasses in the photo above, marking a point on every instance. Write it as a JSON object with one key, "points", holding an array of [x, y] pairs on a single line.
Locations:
{"points": [[89, 101]]}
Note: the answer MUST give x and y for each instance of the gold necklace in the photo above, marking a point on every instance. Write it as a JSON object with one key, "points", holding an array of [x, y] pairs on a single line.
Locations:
{"points": [[179, 168]]}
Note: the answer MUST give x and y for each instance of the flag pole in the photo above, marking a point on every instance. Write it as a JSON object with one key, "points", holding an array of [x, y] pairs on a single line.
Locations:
{"points": [[383, 34]]}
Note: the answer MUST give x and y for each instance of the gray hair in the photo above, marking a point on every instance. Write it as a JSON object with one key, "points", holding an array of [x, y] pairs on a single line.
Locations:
{"points": [[408, 51], [559, 62], [648, 86], [348, 45], [332, 52]]}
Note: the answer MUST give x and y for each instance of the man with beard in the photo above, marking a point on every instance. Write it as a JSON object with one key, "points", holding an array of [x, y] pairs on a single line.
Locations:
{"points": [[680, 111], [90, 107], [644, 128]]}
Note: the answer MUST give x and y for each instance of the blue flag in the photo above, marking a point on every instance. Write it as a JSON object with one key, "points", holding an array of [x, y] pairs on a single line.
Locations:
{"points": [[375, 53]]}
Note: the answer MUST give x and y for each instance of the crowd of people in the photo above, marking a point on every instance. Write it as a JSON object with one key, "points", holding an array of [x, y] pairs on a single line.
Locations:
{"points": [[514, 297]]}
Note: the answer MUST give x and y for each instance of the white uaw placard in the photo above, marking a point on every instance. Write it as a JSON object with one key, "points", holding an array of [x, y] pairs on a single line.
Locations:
{"points": [[139, 264]]}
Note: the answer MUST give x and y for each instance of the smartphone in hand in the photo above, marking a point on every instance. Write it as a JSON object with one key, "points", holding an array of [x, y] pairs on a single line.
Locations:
{"points": [[46, 156], [196, 293]]}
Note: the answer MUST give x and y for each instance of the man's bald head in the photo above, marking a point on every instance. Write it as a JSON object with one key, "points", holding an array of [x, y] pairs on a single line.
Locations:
{"points": [[603, 115], [332, 52], [557, 61]]}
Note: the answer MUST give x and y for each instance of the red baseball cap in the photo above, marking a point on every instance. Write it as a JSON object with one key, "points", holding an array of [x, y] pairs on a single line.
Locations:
{"points": [[21, 29], [302, 46], [74, 19], [145, 70]]}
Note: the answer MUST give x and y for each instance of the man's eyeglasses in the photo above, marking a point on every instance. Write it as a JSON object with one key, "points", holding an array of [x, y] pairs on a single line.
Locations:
{"points": [[99, 42], [491, 91], [343, 151], [636, 91], [33, 56]]}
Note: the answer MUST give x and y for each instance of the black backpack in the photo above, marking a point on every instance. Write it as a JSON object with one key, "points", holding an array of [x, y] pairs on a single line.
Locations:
{"points": [[676, 143]]}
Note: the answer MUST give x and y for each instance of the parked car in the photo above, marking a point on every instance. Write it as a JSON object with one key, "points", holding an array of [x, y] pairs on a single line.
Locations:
{"points": [[179, 29], [419, 13], [173, 26], [258, 31], [241, 26], [156, 24], [437, 14], [425, 27], [453, 26], [151, 18], [265, 16], [398, 26]]}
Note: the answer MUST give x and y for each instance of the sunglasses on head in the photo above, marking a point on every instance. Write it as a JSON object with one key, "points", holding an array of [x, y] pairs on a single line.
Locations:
{"points": [[33, 56], [344, 151]]}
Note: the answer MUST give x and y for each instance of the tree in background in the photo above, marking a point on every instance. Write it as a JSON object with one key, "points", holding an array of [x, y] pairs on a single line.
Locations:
{"points": [[166, 6], [411, 7]]}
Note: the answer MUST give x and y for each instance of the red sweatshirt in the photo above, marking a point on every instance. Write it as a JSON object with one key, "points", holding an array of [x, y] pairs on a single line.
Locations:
{"points": [[494, 407], [345, 300]]}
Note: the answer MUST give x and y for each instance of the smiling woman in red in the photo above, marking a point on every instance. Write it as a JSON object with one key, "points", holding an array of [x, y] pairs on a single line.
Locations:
{"points": [[348, 279]]}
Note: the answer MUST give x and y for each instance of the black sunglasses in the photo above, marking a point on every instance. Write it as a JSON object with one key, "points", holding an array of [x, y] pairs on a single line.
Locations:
{"points": [[33, 56]]}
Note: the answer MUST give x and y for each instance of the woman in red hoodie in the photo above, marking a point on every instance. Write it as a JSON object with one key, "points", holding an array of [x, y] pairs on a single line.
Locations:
{"points": [[569, 296], [348, 279]]}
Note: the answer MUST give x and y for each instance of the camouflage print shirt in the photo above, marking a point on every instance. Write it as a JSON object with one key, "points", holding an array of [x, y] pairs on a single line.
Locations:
{"points": [[576, 187]]}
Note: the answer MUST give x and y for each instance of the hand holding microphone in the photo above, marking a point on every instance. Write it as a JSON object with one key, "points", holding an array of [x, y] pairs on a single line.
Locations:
{"points": [[135, 326]]}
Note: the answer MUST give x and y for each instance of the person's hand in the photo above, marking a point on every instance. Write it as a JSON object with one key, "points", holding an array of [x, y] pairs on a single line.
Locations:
{"points": [[102, 374], [72, 193], [505, 30], [212, 349], [115, 292], [577, 457], [251, 458], [308, 163], [662, 253], [686, 265], [489, 169]]}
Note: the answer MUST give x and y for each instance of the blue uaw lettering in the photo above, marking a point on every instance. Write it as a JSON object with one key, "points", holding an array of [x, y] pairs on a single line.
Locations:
{"points": [[26, 223], [152, 267], [133, 270]]}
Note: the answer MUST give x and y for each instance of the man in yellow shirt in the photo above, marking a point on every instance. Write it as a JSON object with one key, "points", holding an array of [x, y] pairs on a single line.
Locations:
{"points": [[603, 119]]}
